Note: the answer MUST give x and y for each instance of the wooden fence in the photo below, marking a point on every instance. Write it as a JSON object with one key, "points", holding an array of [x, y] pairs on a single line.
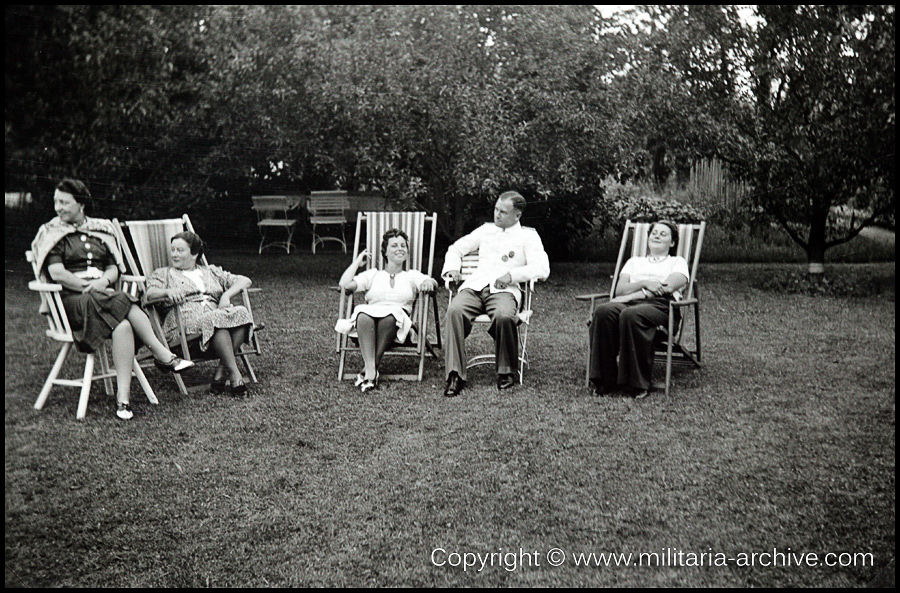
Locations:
{"points": [[711, 185]]}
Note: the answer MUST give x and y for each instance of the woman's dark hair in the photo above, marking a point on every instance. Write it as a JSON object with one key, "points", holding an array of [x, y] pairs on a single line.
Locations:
{"points": [[673, 250], [78, 190], [194, 242], [391, 234]]}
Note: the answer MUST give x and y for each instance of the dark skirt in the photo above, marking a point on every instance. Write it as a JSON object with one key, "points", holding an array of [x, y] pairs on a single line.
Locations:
{"points": [[94, 315]]}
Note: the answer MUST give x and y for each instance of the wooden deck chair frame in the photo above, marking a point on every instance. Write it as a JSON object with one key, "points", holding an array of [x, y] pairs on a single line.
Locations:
{"points": [[61, 331], [273, 213], [469, 265], [671, 346], [328, 208], [373, 225], [150, 239]]}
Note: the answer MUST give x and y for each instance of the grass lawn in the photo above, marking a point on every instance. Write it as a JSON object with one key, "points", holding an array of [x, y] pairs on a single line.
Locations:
{"points": [[783, 441]]}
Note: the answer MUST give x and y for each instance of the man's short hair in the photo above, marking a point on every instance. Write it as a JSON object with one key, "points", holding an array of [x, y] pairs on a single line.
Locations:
{"points": [[518, 202]]}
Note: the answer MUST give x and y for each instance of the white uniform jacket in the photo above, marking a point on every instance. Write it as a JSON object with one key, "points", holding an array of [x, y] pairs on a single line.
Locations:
{"points": [[517, 250]]}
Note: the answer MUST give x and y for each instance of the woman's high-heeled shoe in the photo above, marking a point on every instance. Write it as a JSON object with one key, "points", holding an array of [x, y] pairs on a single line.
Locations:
{"points": [[175, 365], [239, 390], [123, 411]]}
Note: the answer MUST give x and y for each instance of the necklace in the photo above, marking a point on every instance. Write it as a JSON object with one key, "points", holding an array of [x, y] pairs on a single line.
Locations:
{"points": [[655, 259], [392, 275]]}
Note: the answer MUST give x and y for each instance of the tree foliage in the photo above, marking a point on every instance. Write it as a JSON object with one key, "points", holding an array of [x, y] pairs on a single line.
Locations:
{"points": [[822, 134], [166, 109]]}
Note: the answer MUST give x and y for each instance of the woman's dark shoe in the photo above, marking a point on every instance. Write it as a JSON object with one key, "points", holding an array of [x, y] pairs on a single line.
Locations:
{"points": [[598, 389], [367, 385], [176, 365], [601, 391], [506, 381], [455, 385], [217, 387], [239, 390]]}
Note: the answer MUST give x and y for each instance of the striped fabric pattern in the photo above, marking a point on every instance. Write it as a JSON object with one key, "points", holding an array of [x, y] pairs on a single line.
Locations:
{"points": [[411, 223], [151, 241]]}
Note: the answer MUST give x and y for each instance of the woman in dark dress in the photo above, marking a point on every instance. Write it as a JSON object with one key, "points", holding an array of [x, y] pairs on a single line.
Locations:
{"points": [[82, 255]]}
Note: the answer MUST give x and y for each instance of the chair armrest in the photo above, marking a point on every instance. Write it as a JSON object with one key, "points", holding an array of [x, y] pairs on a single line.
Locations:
{"points": [[592, 297], [684, 303], [37, 285], [162, 300], [132, 278]]}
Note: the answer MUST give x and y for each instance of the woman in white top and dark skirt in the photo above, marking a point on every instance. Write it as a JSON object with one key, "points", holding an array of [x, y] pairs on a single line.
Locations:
{"points": [[390, 294], [622, 331]]}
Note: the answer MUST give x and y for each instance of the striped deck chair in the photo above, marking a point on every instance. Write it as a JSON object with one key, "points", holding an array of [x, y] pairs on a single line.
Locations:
{"points": [[421, 229], [672, 345], [150, 240]]}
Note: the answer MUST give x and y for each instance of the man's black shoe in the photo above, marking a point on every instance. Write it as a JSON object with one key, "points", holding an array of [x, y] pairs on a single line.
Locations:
{"points": [[505, 381], [454, 385]]}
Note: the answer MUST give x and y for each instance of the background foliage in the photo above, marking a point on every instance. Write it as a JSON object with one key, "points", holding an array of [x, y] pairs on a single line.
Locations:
{"points": [[166, 109]]}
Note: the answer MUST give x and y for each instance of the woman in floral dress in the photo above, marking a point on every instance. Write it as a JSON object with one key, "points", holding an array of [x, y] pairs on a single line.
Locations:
{"points": [[203, 295]]}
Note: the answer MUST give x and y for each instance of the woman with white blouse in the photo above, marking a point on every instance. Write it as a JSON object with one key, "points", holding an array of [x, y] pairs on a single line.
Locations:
{"points": [[622, 330], [390, 294]]}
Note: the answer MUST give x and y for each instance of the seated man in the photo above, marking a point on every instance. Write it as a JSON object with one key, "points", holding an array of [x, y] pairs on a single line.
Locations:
{"points": [[508, 254]]}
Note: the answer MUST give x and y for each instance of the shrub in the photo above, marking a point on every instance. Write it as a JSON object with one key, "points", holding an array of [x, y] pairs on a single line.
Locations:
{"points": [[628, 201]]}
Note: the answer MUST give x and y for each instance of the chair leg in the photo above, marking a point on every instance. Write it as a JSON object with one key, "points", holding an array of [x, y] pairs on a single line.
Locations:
{"points": [[423, 340], [587, 361], [104, 370], [145, 385], [343, 359], [54, 373], [697, 328], [669, 340], [247, 364], [182, 388], [85, 387]]}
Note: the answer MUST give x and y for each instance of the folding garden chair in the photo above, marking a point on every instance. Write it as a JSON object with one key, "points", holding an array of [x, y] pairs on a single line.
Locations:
{"points": [[328, 208], [373, 225], [672, 344], [150, 240], [469, 265], [274, 214], [60, 331]]}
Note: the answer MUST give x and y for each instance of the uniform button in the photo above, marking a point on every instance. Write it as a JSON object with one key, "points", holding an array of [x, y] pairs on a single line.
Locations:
{"points": [[87, 246], [84, 237], [90, 255]]}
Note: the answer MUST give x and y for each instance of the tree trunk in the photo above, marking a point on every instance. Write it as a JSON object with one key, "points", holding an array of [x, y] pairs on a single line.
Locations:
{"points": [[815, 248]]}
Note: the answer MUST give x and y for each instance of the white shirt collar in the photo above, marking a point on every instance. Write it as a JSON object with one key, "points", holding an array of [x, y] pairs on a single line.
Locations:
{"points": [[513, 228]]}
